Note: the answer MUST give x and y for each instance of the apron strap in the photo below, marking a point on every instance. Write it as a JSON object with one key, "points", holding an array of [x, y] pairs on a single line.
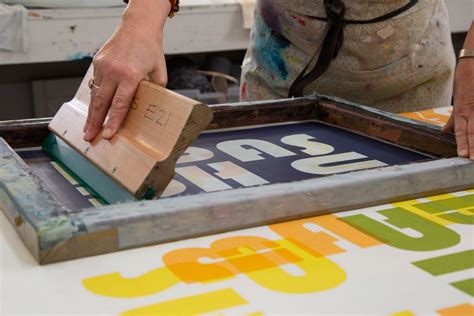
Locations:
{"points": [[332, 43]]}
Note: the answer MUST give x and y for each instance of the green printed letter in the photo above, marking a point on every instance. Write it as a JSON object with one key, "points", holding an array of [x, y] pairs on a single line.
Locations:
{"points": [[431, 236]]}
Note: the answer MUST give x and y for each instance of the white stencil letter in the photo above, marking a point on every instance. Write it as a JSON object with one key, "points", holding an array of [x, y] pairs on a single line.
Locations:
{"points": [[234, 148], [316, 165], [194, 154], [230, 171], [310, 147], [174, 188], [202, 179]]}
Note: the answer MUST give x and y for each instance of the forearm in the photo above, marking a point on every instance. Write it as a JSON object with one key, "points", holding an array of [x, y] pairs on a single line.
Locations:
{"points": [[152, 13]]}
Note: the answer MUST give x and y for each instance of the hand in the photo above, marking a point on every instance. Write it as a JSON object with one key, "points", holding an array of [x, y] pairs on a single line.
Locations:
{"points": [[132, 54], [462, 118]]}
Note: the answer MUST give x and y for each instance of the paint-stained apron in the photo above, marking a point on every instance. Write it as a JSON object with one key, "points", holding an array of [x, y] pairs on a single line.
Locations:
{"points": [[402, 64]]}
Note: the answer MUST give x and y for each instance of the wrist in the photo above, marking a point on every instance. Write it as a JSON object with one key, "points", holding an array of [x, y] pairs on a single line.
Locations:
{"points": [[151, 12]]}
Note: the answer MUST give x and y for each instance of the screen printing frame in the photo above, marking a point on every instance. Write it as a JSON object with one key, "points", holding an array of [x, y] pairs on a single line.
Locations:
{"points": [[54, 233]]}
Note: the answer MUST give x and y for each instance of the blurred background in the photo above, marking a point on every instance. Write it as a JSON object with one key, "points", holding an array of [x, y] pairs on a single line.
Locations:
{"points": [[46, 47]]}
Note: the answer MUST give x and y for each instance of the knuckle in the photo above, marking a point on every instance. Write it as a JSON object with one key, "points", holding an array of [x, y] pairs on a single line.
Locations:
{"points": [[122, 72], [98, 61], [108, 67], [99, 103], [120, 103], [131, 74], [162, 81], [94, 123], [114, 69], [468, 103], [464, 105]]}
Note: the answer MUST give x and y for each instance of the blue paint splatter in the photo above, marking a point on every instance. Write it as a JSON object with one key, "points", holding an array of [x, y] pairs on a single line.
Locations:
{"points": [[269, 49]]}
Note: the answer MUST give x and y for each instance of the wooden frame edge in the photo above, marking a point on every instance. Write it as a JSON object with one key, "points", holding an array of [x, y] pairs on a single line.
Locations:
{"points": [[177, 218], [186, 217]]}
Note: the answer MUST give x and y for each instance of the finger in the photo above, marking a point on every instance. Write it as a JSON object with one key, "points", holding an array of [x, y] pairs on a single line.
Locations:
{"points": [[100, 105], [89, 109], [461, 136], [449, 126], [97, 80], [160, 76], [470, 138], [118, 111]]}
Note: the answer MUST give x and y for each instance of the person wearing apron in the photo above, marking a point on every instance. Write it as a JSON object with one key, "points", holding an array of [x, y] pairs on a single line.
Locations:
{"points": [[395, 55]]}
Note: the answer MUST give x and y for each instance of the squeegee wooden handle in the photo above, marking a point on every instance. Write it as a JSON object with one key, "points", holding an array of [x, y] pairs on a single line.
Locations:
{"points": [[159, 127]]}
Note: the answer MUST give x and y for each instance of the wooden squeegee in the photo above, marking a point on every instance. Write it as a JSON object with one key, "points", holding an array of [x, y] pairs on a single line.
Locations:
{"points": [[142, 156]]}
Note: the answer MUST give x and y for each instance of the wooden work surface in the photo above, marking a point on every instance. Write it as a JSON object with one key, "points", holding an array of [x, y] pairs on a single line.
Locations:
{"points": [[413, 257]]}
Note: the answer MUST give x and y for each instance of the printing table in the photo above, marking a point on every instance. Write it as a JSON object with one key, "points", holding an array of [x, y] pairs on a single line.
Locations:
{"points": [[405, 258]]}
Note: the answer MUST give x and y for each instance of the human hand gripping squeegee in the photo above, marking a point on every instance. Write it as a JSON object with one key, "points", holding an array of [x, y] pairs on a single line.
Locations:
{"points": [[139, 161]]}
